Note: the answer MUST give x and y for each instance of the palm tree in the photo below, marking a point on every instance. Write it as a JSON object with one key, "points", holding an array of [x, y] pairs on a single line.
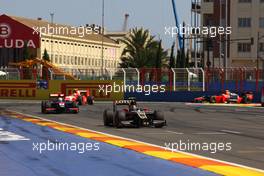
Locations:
{"points": [[142, 50], [46, 55]]}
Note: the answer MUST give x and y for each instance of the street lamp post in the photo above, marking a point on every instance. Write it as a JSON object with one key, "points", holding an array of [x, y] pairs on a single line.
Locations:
{"points": [[226, 38], [258, 50], [51, 42], [102, 34]]}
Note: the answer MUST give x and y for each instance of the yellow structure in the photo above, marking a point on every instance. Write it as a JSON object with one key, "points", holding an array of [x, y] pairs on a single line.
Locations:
{"points": [[30, 90]]}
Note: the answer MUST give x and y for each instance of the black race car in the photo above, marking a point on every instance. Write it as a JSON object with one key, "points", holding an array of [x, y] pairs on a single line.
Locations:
{"points": [[126, 113], [58, 104]]}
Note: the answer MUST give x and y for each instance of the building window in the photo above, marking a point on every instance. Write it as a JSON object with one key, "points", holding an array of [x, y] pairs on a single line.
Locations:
{"points": [[60, 59], [244, 22], [56, 58], [76, 62], [244, 47], [261, 47], [65, 59], [68, 60], [244, 1], [261, 22], [71, 60]]}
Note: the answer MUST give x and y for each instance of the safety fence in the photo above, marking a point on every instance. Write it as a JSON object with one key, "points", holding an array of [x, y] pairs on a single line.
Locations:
{"points": [[175, 79], [235, 79]]}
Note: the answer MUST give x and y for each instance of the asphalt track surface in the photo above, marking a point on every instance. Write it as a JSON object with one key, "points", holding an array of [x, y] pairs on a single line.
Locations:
{"points": [[241, 126], [20, 157]]}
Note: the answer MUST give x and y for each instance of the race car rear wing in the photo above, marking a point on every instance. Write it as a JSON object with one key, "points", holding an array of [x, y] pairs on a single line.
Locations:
{"points": [[122, 102], [56, 95], [85, 92]]}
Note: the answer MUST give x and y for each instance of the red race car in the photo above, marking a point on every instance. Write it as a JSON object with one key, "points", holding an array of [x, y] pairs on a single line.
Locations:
{"points": [[227, 97], [82, 97]]}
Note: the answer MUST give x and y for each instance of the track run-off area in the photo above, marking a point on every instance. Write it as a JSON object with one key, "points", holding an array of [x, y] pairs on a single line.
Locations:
{"points": [[129, 151]]}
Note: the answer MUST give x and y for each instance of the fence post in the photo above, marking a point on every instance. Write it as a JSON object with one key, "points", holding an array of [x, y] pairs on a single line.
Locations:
{"points": [[138, 76], [174, 79], [124, 71], [51, 73], [18, 74], [189, 81], [257, 79], [203, 79]]}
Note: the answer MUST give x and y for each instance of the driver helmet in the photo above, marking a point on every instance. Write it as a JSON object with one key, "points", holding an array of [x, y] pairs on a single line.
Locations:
{"points": [[133, 105], [75, 90], [227, 92]]}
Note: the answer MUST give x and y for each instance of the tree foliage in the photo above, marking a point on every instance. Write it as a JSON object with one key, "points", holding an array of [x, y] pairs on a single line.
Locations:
{"points": [[142, 50], [46, 55]]}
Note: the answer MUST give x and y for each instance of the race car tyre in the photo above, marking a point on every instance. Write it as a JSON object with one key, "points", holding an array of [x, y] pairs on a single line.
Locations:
{"points": [[212, 100], [108, 118], [90, 100], [198, 101], [119, 116], [246, 100], [43, 107], [76, 112], [158, 115], [75, 105], [79, 100]]}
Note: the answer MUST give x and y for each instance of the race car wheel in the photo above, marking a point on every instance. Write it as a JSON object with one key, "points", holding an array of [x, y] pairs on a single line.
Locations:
{"points": [[76, 112], [43, 107], [79, 100], [90, 100], [108, 118], [75, 105], [158, 115], [246, 100], [198, 101], [119, 116], [212, 100]]}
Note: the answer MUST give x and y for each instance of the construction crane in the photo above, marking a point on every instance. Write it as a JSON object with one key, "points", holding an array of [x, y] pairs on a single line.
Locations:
{"points": [[180, 37]]}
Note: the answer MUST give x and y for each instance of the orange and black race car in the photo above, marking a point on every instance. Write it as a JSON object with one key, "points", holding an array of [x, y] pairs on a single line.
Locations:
{"points": [[227, 97], [126, 113]]}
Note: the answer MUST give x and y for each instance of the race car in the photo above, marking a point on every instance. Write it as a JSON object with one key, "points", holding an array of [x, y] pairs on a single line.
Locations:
{"points": [[57, 103], [227, 97], [82, 97], [126, 113]]}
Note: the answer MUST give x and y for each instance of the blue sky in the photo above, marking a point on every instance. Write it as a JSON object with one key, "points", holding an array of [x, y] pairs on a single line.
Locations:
{"points": [[150, 14]]}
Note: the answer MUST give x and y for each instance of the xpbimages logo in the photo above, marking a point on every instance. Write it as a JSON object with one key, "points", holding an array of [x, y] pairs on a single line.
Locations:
{"points": [[65, 146], [146, 89]]}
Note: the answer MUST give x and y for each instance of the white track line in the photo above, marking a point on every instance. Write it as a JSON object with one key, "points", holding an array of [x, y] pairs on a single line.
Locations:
{"points": [[174, 132], [210, 133], [191, 154], [231, 132]]}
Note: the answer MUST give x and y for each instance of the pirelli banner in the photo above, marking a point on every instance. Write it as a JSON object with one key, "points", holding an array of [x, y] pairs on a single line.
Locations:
{"points": [[40, 90]]}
